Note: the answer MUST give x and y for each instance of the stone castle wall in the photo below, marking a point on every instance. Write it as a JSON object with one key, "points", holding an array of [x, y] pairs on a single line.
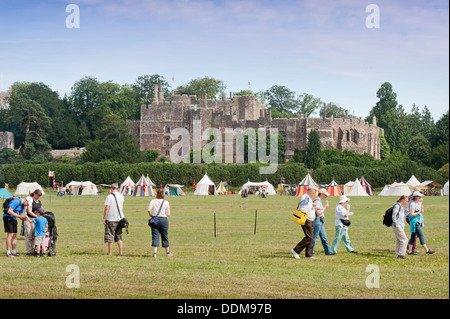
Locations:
{"points": [[179, 111]]}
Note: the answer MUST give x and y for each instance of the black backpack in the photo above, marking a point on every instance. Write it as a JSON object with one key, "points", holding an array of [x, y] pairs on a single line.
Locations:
{"points": [[387, 219], [6, 204]]}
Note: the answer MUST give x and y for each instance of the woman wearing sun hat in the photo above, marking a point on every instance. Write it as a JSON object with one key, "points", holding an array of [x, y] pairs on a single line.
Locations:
{"points": [[341, 213], [416, 223]]}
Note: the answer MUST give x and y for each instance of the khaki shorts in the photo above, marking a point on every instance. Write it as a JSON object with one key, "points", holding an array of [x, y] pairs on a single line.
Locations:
{"points": [[112, 232], [39, 240]]}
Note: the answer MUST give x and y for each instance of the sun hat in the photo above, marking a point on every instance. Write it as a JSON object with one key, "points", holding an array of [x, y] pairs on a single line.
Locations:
{"points": [[343, 199], [417, 193], [324, 191]]}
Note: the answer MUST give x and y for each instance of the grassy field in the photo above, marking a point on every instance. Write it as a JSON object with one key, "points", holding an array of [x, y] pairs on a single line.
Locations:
{"points": [[237, 263]]}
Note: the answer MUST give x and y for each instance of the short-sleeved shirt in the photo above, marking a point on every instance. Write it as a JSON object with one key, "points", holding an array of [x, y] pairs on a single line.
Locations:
{"points": [[39, 229], [319, 205], [306, 205], [155, 205], [113, 214], [17, 206], [339, 213]]}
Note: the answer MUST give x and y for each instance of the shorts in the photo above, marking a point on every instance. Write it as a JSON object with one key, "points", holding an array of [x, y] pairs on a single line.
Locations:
{"points": [[39, 240], [112, 232], [10, 224]]}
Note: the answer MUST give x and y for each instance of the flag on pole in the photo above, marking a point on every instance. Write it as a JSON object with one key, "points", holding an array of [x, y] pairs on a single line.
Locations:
{"points": [[195, 186]]}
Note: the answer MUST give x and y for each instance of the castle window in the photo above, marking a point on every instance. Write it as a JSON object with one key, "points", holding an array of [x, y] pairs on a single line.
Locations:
{"points": [[167, 129], [167, 142], [167, 116], [216, 120]]}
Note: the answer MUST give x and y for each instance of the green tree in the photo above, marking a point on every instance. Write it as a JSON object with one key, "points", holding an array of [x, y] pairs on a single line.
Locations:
{"points": [[419, 149], [385, 150], [30, 118], [113, 142], [440, 134], [151, 155], [144, 87], [333, 110], [212, 87], [308, 104], [281, 99], [313, 158]]}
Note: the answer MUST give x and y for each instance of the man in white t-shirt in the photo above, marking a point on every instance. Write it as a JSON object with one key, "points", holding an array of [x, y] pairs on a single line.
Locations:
{"points": [[112, 214], [306, 205]]}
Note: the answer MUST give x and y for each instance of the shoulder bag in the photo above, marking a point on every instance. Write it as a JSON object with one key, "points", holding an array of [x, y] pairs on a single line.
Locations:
{"points": [[123, 222], [299, 216]]}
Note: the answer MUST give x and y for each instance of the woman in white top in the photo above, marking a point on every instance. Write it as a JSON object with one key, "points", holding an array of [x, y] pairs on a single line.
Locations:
{"points": [[161, 208], [342, 212]]}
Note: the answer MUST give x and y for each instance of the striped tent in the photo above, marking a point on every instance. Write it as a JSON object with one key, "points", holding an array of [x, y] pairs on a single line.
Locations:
{"points": [[334, 189], [143, 188], [366, 186], [221, 189], [303, 185]]}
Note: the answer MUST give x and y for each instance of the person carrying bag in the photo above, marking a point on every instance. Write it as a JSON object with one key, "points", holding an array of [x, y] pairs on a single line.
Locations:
{"points": [[159, 222]]}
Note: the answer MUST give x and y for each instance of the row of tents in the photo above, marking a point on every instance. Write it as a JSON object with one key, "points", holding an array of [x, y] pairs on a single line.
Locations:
{"points": [[145, 187]]}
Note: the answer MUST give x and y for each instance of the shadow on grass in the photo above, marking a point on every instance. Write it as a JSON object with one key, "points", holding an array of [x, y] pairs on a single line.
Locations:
{"points": [[114, 254]]}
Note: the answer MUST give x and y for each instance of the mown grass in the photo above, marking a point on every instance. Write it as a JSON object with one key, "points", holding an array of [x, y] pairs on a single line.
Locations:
{"points": [[236, 263]]}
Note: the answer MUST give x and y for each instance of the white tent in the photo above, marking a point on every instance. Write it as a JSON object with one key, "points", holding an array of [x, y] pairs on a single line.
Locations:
{"points": [[396, 189], [268, 187], [413, 182], [357, 190], [149, 181], [205, 187], [384, 191], [347, 187], [89, 188], [128, 184], [27, 188], [445, 189]]}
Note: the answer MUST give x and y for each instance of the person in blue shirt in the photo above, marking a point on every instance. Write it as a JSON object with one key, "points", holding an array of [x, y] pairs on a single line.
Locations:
{"points": [[41, 226], [16, 209]]}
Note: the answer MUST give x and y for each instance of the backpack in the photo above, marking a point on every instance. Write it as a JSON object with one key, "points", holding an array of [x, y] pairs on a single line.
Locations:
{"points": [[6, 204], [387, 219]]}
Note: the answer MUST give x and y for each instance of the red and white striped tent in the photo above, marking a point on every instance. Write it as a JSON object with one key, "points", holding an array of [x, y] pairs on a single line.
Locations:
{"points": [[334, 189], [303, 185]]}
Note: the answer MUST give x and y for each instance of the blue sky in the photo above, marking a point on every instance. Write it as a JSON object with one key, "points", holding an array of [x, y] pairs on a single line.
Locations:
{"points": [[320, 47]]}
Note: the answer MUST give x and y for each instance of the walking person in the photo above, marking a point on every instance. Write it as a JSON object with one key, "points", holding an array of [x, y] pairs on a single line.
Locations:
{"points": [[306, 205], [16, 209], [161, 208], [34, 203], [416, 224], [112, 214], [398, 226], [319, 228], [341, 213]]}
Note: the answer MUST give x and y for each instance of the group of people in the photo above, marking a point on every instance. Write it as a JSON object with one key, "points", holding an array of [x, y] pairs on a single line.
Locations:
{"points": [[314, 225], [113, 213], [31, 212], [35, 225]]}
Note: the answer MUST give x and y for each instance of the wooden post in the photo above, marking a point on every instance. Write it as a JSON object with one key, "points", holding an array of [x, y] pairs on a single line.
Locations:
{"points": [[256, 217], [214, 225]]}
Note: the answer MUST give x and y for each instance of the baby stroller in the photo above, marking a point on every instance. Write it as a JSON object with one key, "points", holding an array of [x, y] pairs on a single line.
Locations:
{"points": [[50, 240]]}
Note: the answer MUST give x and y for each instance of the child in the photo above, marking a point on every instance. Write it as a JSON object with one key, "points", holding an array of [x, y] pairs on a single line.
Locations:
{"points": [[39, 232]]}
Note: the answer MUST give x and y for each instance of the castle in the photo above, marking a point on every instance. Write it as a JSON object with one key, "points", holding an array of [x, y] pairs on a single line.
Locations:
{"points": [[179, 111]]}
